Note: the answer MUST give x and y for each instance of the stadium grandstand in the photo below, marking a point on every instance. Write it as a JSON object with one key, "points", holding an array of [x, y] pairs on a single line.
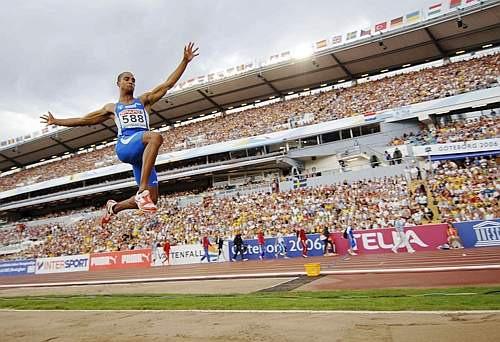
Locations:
{"points": [[401, 124]]}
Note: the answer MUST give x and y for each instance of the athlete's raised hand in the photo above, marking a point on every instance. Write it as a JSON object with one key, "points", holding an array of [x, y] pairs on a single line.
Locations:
{"points": [[47, 119], [189, 53]]}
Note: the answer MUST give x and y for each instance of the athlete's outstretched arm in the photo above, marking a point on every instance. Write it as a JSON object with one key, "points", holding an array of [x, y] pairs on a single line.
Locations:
{"points": [[157, 93], [93, 118]]}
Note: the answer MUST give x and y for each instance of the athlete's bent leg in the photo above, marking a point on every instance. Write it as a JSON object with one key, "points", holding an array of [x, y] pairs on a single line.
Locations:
{"points": [[153, 141]]}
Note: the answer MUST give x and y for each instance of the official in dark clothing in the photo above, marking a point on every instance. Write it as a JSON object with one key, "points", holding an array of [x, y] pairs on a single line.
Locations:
{"points": [[238, 246]]}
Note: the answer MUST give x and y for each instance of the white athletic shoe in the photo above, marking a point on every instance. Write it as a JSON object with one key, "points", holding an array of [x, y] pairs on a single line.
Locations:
{"points": [[109, 213], [144, 202]]}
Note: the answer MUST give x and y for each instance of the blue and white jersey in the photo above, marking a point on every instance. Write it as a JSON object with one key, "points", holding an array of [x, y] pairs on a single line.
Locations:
{"points": [[131, 118]]}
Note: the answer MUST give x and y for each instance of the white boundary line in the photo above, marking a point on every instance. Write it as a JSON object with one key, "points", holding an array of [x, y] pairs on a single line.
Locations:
{"points": [[462, 312], [257, 275]]}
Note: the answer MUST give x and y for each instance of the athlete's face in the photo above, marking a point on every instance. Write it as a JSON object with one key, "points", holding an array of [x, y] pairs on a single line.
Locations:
{"points": [[127, 82]]}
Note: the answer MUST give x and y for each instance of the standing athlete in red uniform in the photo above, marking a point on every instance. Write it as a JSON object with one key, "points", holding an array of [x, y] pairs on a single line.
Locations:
{"points": [[136, 145]]}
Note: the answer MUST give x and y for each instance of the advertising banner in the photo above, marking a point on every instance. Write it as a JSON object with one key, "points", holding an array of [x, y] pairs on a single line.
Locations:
{"points": [[17, 267], [293, 247], [479, 233], [62, 264], [458, 147], [186, 254], [122, 259], [421, 238]]}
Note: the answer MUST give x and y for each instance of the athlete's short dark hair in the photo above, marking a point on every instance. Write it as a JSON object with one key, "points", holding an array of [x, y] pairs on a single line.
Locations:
{"points": [[121, 75]]}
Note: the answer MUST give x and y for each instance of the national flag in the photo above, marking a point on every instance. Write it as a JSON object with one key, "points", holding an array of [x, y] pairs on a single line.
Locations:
{"points": [[396, 22], [273, 57], [413, 17], [365, 32], [434, 9], [299, 183], [455, 3], [285, 54], [381, 26], [337, 39], [321, 44], [352, 35], [370, 116]]}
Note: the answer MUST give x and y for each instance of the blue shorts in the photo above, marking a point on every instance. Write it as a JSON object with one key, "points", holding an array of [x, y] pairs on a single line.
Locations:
{"points": [[130, 149]]}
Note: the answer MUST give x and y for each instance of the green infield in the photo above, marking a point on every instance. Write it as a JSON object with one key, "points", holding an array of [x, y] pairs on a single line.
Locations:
{"points": [[465, 298]]}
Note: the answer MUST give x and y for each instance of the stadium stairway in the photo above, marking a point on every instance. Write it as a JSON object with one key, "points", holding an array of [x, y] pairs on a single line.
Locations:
{"points": [[430, 199]]}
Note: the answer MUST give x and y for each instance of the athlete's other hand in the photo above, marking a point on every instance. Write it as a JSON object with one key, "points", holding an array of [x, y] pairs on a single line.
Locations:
{"points": [[48, 119], [189, 53]]}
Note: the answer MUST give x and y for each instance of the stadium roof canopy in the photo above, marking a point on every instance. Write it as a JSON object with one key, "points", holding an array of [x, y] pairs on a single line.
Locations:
{"points": [[426, 41]]}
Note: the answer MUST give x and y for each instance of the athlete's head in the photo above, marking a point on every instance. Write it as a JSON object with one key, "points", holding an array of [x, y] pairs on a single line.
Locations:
{"points": [[126, 82]]}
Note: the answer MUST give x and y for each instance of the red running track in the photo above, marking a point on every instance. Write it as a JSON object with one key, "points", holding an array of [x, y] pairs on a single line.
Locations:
{"points": [[451, 264]]}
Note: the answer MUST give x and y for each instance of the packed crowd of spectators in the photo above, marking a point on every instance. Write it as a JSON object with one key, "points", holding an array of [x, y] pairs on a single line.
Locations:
{"points": [[466, 190], [484, 127], [396, 91], [461, 190], [365, 204]]}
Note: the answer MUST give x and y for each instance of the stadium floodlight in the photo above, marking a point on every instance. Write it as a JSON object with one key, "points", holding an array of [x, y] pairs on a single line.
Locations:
{"points": [[257, 101], [214, 111], [323, 85], [190, 118], [459, 52], [306, 89], [290, 92], [384, 70], [364, 75], [231, 107], [271, 97], [487, 46], [340, 81], [406, 65], [243, 104], [302, 51]]}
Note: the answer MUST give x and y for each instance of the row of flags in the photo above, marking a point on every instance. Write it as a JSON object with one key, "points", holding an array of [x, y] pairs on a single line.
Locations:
{"points": [[408, 19], [28, 136]]}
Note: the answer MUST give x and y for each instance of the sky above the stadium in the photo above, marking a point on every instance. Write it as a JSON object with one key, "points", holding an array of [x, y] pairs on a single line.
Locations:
{"points": [[64, 56]]}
